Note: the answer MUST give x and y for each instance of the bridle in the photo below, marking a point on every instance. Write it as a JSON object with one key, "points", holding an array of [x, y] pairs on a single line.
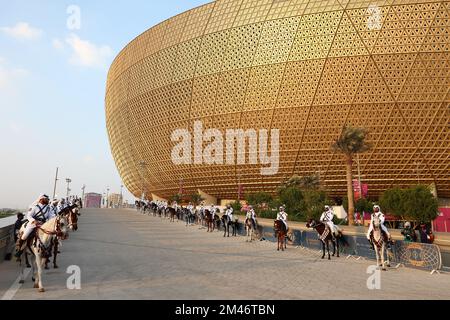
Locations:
{"points": [[57, 230]]}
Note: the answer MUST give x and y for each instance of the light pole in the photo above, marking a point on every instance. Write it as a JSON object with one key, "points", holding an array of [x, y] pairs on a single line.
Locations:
{"points": [[68, 180], [107, 197], [359, 176], [82, 194], [417, 171], [121, 196], [56, 180], [143, 164]]}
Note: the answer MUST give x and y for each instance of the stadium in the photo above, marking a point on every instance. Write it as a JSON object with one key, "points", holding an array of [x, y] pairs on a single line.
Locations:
{"points": [[306, 68]]}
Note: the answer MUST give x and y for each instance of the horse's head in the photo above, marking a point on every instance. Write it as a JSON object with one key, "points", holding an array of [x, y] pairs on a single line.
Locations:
{"points": [[277, 225], [312, 223], [71, 214], [62, 230], [376, 222]]}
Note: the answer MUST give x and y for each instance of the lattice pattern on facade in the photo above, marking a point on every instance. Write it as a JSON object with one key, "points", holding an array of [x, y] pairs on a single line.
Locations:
{"points": [[305, 67]]}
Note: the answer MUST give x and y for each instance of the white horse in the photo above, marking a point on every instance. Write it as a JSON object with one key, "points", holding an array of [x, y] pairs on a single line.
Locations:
{"points": [[41, 245], [379, 240]]}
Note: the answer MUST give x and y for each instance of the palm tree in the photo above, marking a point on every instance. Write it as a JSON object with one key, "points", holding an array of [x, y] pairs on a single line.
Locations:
{"points": [[196, 198], [311, 182], [352, 141]]}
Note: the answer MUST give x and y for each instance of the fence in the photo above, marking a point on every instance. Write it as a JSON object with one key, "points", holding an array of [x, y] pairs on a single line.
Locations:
{"points": [[413, 255]]}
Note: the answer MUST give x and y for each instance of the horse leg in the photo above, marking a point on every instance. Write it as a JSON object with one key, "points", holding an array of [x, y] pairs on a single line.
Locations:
{"points": [[383, 249], [26, 259], [323, 249], [55, 254], [22, 269], [338, 247], [328, 250], [377, 254]]}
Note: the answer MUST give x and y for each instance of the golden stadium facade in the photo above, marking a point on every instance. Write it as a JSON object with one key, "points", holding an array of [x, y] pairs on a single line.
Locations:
{"points": [[306, 67]]}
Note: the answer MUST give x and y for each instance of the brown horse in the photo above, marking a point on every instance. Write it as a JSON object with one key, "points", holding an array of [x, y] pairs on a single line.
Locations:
{"points": [[211, 221], [172, 214], [71, 214], [325, 237], [280, 232]]}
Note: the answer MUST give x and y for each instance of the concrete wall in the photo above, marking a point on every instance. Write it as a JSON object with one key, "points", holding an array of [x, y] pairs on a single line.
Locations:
{"points": [[6, 236]]}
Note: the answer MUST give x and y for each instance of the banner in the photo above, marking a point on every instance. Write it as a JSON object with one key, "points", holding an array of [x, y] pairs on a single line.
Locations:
{"points": [[418, 255]]}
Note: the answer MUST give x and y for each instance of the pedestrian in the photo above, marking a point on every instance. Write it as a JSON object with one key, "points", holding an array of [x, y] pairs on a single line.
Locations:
{"points": [[426, 236], [18, 225], [409, 233]]}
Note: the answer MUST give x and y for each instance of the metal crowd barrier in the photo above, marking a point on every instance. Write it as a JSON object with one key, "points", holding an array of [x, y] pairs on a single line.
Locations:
{"points": [[413, 255]]}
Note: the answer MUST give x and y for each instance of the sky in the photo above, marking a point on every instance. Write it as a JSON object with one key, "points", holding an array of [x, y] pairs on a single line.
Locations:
{"points": [[54, 59]]}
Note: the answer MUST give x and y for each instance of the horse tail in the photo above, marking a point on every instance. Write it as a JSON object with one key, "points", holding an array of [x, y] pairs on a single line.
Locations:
{"points": [[342, 239]]}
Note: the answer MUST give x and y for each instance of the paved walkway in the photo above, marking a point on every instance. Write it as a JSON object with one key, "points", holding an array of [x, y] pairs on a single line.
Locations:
{"points": [[126, 255]]}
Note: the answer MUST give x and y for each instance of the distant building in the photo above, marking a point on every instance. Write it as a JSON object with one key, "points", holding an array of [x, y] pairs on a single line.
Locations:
{"points": [[114, 200], [92, 200]]}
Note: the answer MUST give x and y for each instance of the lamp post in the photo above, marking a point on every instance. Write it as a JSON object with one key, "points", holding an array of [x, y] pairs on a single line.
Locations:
{"points": [[56, 180], [121, 196], [82, 194], [417, 171], [142, 164], [68, 180], [359, 176], [107, 197]]}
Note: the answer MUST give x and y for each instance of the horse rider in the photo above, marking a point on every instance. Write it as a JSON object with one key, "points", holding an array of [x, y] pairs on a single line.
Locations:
{"points": [[38, 215], [229, 213], [377, 213], [62, 205], [283, 216], [327, 219], [251, 215], [175, 205], [190, 207], [213, 211], [54, 207]]}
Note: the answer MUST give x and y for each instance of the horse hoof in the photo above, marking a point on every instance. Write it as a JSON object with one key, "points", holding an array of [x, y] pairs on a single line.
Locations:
{"points": [[323, 257], [46, 268], [41, 290], [384, 269], [28, 266], [22, 281], [329, 258], [33, 279], [35, 286], [55, 267]]}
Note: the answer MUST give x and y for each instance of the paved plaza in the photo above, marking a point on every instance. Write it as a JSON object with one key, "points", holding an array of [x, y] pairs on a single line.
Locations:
{"points": [[123, 254]]}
